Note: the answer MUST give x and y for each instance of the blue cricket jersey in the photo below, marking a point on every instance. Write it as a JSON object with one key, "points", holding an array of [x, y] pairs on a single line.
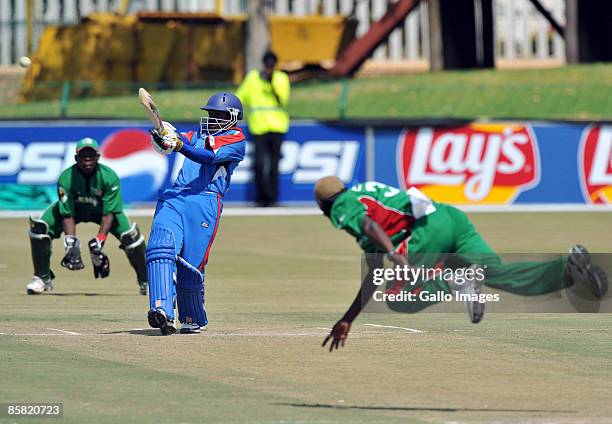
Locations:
{"points": [[209, 162]]}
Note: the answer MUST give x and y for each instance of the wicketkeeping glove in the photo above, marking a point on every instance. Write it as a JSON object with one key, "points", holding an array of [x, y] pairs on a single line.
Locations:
{"points": [[101, 264], [166, 142], [72, 257]]}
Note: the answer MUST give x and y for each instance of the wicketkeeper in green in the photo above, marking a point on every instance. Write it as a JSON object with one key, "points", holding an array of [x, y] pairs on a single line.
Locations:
{"points": [[412, 230], [88, 192]]}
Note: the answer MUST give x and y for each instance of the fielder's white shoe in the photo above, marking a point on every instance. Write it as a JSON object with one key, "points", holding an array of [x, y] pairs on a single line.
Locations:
{"points": [[38, 286], [470, 289], [580, 270]]}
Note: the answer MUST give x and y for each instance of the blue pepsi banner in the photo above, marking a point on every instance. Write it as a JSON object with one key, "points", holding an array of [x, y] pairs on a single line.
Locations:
{"points": [[34, 153]]}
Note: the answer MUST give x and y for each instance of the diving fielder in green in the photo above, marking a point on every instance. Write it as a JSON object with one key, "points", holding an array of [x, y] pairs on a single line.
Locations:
{"points": [[412, 230], [88, 192]]}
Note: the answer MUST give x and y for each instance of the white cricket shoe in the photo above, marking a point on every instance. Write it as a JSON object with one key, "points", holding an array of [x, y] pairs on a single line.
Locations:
{"points": [[580, 270], [471, 288], [38, 286], [190, 328]]}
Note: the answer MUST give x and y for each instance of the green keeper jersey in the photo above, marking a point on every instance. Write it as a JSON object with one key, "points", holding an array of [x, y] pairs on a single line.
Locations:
{"points": [[89, 196], [388, 206]]}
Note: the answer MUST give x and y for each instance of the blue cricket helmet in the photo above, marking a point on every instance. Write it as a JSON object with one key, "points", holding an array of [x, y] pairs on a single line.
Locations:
{"points": [[221, 102], [224, 102]]}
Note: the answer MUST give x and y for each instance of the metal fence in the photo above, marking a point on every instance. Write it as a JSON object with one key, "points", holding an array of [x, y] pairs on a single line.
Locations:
{"points": [[521, 33]]}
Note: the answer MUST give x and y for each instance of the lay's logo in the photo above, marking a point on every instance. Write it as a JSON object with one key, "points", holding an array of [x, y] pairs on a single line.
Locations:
{"points": [[595, 164], [478, 163]]}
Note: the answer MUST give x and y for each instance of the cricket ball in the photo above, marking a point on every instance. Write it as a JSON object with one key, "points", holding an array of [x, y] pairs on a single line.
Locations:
{"points": [[25, 62]]}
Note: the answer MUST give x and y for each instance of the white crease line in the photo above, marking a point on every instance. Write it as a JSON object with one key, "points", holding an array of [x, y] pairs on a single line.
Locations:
{"points": [[34, 334], [262, 334], [253, 334], [411, 330], [204, 334], [64, 333], [61, 333], [583, 329], [72, 333], [181, 336]]}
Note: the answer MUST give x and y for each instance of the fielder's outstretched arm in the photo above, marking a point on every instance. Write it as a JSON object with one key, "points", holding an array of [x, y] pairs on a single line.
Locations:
{"points": [[339, 332], [375, 233]]}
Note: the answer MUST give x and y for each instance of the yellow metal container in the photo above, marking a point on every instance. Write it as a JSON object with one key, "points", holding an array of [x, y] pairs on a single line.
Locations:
{"points": [[110, 51], [310, 39]]}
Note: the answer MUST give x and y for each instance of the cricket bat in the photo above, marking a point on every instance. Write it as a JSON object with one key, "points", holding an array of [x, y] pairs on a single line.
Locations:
{"points": [[151, 108]]}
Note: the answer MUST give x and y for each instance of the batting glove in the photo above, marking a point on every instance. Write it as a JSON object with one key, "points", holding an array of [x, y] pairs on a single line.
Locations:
{"points": [[166, 142]]}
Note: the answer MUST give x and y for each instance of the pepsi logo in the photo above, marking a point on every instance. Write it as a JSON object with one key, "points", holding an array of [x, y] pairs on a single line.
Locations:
{"points": [[142, 172]]}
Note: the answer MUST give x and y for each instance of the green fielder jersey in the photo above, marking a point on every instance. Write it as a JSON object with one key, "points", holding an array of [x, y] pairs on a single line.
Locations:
{"points": [[94, 195], [388, 206]]}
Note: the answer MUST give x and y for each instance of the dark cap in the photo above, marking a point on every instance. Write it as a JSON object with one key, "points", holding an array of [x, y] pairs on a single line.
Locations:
{"points": [[270, 58]]}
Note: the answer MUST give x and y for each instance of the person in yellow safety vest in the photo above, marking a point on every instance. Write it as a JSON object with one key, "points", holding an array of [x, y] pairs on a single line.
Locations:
{"points": [[265, 95]]}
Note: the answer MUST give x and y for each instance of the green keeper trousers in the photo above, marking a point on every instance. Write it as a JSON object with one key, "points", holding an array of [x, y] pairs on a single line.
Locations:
{"points": [[54, 220], [41, 251], [448, 230]]}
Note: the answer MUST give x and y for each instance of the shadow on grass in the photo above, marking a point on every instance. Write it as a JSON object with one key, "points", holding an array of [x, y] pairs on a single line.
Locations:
{"points": [[154, 332], [416, 408]]}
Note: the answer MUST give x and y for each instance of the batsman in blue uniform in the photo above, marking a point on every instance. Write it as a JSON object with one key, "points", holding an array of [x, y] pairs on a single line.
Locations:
{"points": [[187, 215]]}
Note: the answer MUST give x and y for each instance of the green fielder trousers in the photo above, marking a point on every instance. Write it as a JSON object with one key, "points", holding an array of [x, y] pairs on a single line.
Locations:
{"points": [[449, 231]]}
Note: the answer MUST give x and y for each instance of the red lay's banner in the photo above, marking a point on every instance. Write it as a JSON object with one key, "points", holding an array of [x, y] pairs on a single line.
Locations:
{"points": [[595, 164], [477, 163]]}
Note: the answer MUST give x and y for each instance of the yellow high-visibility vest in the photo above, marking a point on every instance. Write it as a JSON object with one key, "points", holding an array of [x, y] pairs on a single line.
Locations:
{"points": [[264, 113]]}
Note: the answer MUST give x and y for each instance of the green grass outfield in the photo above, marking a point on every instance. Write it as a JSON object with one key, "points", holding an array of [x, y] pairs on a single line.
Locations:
{"points": [[582, 92], [274, 284]]}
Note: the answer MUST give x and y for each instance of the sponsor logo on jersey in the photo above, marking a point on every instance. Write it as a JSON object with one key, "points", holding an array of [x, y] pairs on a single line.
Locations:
{"points": [[595, 164], [86, 200], [477, 163], [62, 194], [142, 172]]}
